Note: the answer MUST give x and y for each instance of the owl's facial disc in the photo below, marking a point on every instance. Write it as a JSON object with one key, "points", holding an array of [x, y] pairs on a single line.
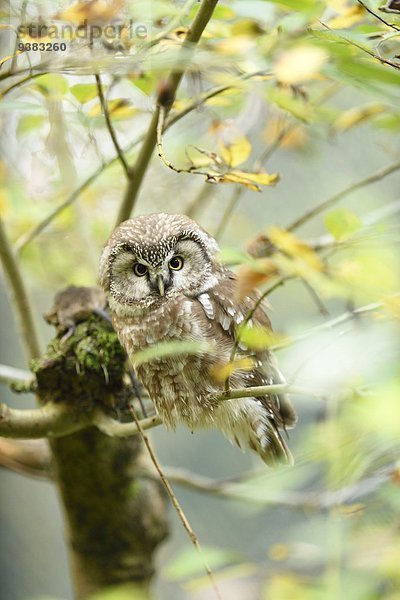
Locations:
{"points": [[153, 274]]}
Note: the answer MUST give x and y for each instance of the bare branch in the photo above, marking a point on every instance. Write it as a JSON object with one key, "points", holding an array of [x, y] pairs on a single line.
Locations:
{"points": [[371, 12], [264, 390], [351, 42], [20, 299], [173, 23], [26, 457], [377, 176], [111, 129], [172, 83], [37, 229], [52, 420], [11, 375], [20, 82], [347, 316], [115, 428], [315, 499]]}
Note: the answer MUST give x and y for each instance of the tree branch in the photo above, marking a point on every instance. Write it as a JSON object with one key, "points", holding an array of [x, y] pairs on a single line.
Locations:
{"points": [[20, 299], [37, 229], [114, 428], [111, 129], [315, 499], [11, 375], [26, 457], [377, 176], [263, 390], [347, 316], [52, 420], [171, 85], [374, 14]]}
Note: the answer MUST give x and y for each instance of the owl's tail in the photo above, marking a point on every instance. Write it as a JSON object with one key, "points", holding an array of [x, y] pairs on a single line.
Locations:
{"points": [[247, 423]]}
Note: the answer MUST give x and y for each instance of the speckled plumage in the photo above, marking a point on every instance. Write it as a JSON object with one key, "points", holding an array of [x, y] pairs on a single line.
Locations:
{"points": [[194, 303]]}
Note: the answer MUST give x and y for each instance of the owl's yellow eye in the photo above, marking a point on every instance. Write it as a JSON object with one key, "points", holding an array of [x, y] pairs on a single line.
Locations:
{"points": [[139, 269], [176, 263]]}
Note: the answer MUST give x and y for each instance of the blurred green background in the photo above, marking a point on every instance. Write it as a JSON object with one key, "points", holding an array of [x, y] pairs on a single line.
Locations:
{"points": [[328, 527]]}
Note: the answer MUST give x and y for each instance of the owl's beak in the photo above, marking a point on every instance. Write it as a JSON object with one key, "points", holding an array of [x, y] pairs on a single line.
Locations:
{"points": [[160, 284]]}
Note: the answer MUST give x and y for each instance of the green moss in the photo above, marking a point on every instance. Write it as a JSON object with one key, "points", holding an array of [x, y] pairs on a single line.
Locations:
{"points": [[89, 363]]}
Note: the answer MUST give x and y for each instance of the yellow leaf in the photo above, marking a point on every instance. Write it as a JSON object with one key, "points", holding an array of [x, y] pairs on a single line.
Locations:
{"points": [[289, 137], [235, 46], [235, 152], [350, 16], [250, 180], [221, 371], [357, 115], [290, 245], [300, 64], [93, 10], [118, 108]]}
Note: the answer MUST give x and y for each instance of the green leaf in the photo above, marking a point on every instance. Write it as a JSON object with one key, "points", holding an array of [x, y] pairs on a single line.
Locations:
{"points": [[258, 338], [307, 6], [52, 84], [28, 123], [190, 562], [84, 92], [223, 12], [342, 222], [166, 349]]}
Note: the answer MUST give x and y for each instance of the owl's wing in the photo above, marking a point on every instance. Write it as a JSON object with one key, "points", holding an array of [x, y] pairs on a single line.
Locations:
{"points": [[220, 305]]}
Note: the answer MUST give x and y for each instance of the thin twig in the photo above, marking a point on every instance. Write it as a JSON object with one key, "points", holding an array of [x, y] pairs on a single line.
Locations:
{"points": [[233, 201], [343, 318], [37, 229], [248, 318], [380, 59], [371, 12], [111, 129], [203, 193], [172, 83], [172, 24], [377, 176], [315, 499], [314, 295], [20, 82], [174, 500], [20, 299], [26, 238]]}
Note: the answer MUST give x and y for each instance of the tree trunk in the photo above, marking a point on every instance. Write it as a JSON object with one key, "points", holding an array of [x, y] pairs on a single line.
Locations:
{"points": [[114, 507]]}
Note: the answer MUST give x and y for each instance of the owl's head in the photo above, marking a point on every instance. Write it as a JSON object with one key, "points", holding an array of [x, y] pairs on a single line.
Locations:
{"points": [[151, 258]]}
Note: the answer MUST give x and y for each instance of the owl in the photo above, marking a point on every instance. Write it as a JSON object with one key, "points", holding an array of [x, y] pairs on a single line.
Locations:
{"points": [[164, 283]]}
